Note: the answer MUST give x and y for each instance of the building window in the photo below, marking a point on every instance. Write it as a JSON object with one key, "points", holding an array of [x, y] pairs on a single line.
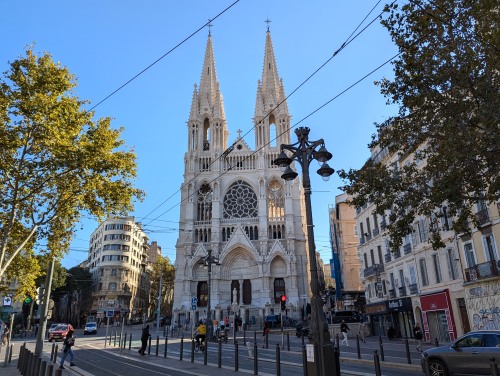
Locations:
{"points": [[204, 207], [437, 268], [240, 201], [112, 286], [365, 257], [202, 293], [113, 272], [452, 264], [413, 275], [279, 289], [372, 257], [470, 257], [490, 250], [275, 200], [379, 251], [247, 291], [423, 272]]}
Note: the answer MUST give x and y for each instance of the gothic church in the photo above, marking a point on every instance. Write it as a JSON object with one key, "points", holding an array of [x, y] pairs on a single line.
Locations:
{"points": [[235, 205]]}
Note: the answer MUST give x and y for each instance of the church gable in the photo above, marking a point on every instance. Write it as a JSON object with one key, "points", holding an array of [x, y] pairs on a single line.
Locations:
{"points": [[239, 238]]}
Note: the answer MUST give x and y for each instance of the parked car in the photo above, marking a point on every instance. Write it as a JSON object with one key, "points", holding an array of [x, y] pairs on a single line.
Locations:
{"points": [[52, 327], [468, 355], [90, 328], [347, 316], [60, 332]]}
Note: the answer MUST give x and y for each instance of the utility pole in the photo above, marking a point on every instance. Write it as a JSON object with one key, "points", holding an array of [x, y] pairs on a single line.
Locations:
{"points": [[159, 303], [44, 308], [208, 261]]}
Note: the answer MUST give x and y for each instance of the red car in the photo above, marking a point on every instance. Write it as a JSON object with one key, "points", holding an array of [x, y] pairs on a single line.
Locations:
{"points": [[60, 332]]}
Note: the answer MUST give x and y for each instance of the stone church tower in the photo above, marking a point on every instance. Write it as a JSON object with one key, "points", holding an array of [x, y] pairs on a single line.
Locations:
{"points": [[236, 206]]}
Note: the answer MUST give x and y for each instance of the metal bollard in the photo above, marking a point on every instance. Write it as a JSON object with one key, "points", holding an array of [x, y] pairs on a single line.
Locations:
{"points": [[255, 362], [494, 367], [29, 359], [31, 364], [358, 347], [244, 336], [149, 345], [376, 361], [278, 360], [408, 357], [20, 358], [52, 352], [303, 340], [43, 368], [336, 352], [182, 348], [236, 364], [219, 355], [110, 335], [10, 352], [337, 341], [436, 342], [288, 341], [426, 364], [165, 350], [120, 340], [255, 336], [130, 341], [304, 359], [50, 370], [192, 350], [157, 344], [205, 354], [267, 340], [164, 330], [114, 342], [382, 357], [36, 369]]}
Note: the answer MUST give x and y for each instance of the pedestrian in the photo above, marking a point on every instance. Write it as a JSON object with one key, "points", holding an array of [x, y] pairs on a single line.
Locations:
{"points": [[5, 335], [265, 332], [144, 340], [68, 343], [390, 333], [417, 333], [343, 329]]}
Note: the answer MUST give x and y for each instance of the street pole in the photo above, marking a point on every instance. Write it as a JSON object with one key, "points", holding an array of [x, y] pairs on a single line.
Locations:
{"points": [[44, 308], [304, 151], [159, 303], [209, 308]]}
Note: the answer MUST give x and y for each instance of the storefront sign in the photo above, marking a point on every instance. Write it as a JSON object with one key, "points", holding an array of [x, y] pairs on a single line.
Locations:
{"points": [[400, 305], [376, 309], [434, 302]]}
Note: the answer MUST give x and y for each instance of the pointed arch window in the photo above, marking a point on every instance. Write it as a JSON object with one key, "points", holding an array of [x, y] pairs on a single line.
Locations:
{"points": [[204, 206], [275, 201], [202, 293], [272, 131], [240, 201], [247, 291], [279, 289], [206, 134]]}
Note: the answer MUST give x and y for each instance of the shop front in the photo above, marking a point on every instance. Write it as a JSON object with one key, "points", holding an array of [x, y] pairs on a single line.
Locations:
{"points": [[379, 318], [401, 313], [437, 317]]}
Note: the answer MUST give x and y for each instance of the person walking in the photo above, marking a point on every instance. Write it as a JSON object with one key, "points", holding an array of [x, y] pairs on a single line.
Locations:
{"points": [[144, 340], [390, 333], [343, 329], [265, 332], [417, 333], [69, 342]]}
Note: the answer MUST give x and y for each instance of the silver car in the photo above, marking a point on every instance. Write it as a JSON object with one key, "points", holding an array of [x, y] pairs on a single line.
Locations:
{"points": [[468, 355]]}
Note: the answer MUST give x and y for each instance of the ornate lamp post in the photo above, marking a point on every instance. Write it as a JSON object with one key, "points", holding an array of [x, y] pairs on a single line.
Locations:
{"points": [[208, 261], [304, 152]]}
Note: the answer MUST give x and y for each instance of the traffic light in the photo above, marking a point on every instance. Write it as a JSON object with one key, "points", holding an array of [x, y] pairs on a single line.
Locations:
{"points": [[283, 302]]}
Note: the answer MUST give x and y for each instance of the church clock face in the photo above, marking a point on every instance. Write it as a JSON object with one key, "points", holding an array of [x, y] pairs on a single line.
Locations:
{"points": [[240, 201]]}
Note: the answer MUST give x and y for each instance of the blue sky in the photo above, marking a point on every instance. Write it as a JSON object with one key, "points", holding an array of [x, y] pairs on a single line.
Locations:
{"points": [[106, 43]]}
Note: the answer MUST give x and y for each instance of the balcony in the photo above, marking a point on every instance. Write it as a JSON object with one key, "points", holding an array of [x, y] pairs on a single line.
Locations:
{"points": [[397, 254], [392, 294], [361, 240], [375, 231], [383, 225], [413, 289], [368, 236], [482, 217], [481, 271], [387, 257], [373, 270], [407, 248], [402, 291]]}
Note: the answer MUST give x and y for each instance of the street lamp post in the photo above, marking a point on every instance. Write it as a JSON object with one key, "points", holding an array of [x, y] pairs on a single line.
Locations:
{"points": [[208, 261], [304, 152]]}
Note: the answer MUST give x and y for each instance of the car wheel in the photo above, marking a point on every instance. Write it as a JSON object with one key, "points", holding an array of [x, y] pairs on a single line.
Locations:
{"points": [[437, 368]]}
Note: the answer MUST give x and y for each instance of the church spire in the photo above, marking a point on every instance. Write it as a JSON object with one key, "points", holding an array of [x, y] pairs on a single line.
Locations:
{"points": [[271, 127], [207, 119]]}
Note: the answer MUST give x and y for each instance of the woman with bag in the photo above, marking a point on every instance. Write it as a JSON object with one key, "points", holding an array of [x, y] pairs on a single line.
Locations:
{"points": [[68, 344]]}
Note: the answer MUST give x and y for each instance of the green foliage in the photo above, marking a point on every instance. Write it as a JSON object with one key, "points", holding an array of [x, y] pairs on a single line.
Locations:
{"points": [[56, 162], [59, 275], [447, 87], [166, 269]]}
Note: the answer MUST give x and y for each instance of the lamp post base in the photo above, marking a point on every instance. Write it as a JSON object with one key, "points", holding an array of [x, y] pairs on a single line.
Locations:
{"points": [[322, 360]]}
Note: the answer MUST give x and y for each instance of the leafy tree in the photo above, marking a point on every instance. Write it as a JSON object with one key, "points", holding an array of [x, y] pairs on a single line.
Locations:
{"points": [[166, 269], [56, 162], [446, 85], [60, 272]]}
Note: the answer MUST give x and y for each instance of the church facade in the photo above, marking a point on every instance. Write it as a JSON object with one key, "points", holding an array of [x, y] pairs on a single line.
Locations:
{"points": [[236, 208]]}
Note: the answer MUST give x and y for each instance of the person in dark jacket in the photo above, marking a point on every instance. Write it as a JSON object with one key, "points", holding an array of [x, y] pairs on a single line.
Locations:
{"points": [[390, 333], [69, 341], [417, 333], [343, 329], [144, 340]]}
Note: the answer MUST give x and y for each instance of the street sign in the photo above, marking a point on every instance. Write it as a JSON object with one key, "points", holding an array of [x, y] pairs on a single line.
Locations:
{"points": [[27, 300], [110, 313], [193, 307], [194, 300]]}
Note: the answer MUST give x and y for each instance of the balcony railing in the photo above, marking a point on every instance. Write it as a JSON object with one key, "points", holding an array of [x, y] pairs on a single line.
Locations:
{"points": [[397, 254], [402, 291], [368, 236], [361, 240], [407, 248], [482, 217], [374, 269], [383, 225], [387, 257], [376, 231], [413, 288], [481, 271], [392, 294]]}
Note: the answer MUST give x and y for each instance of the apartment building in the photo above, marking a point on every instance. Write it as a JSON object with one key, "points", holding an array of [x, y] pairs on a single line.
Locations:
{"points": [[117, 260]]}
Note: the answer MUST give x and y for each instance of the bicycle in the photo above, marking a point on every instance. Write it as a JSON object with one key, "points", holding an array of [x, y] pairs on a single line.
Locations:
{"points": [[199, 346]]}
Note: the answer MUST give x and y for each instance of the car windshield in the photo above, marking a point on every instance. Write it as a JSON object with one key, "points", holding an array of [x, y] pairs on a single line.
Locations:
{"points": [[61, 327], [53, 326], [91, 324]]}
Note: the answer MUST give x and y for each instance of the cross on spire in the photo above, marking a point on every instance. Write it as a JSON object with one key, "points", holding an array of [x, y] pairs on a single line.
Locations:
{"points": [[209, 24], [267, 21], [239, 133]]}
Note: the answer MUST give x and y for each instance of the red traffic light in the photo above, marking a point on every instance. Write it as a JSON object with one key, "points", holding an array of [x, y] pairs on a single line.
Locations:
{"points": [[283, 298]]}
